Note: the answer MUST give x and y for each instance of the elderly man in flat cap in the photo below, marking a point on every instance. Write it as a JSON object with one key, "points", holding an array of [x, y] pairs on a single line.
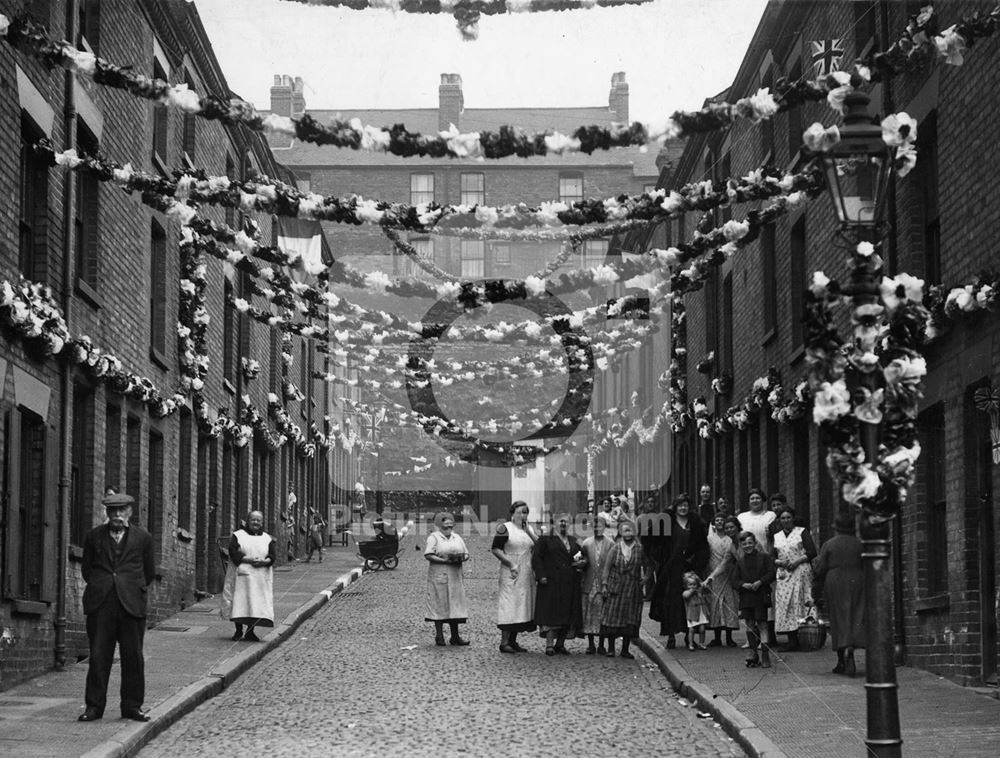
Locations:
{"points": [[117, 567]]}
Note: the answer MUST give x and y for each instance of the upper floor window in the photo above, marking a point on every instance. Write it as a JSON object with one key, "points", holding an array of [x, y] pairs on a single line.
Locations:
{"points": [[190, 130], [230, 174], [864, 27], [767, 124], [769, 272], [473, 259], [797, 267], [424, 247], [926, 175], [421, 188], [228, 332], [160, 123], [33, 190], [157, 289], [87, 212], [594, 252], [473, 189], [795, 127], [501, 253], [570, 186], [88, 25]]}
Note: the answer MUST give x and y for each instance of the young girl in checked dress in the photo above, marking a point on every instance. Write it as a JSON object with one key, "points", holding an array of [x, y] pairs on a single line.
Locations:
{"points": [[694, 606]]}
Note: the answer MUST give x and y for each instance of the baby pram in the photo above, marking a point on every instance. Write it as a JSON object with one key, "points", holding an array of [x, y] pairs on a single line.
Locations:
{"points": [[383, 551]]}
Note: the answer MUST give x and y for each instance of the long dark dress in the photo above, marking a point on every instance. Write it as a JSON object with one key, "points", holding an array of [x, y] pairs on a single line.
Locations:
{"points": [[688, 552], [840, 575], [558, 602]]}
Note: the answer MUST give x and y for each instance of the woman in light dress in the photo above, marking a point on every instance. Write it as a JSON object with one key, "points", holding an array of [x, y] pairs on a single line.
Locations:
{"points": [[446, 602], [252, 551], [512, 545], [793, 551], [595, 550], [723, 604]]}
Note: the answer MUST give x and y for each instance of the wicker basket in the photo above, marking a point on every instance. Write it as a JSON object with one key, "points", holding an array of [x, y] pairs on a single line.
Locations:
{"points": [[812, 634]]}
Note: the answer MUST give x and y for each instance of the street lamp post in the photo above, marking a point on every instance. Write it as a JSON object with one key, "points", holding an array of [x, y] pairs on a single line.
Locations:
{"points": [[858, 169]]}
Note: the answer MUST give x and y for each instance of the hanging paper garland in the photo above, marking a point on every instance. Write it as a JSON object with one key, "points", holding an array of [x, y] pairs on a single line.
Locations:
{"points": [[266, 195], [467, 12], [920, 41], [29, 312]]}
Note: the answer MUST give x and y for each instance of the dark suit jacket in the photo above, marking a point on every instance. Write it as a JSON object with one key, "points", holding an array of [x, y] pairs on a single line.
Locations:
{"points": [[129, 578]]}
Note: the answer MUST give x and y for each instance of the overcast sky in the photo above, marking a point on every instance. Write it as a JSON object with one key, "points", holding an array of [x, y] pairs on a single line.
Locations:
{"points": [[675, 54]]}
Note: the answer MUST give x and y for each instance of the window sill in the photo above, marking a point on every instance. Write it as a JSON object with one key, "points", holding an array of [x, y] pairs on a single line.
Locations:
{"points": [[797, 355], [184, 535], [769, 336], [29, 608], [75, 553], [87, 292], [932, 604], [158, 358], [228, 386], [159, 164]]}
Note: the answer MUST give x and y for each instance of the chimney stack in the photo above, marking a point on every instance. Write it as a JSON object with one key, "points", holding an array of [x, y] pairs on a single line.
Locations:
{"points": [[450, 100], [618, 98], [287, 98], [298, 98]]}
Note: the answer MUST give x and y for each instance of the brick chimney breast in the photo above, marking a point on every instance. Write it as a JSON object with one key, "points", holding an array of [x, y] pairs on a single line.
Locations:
{"points": [[451, 103], [298, 97], [281, 95], [618, 98]]}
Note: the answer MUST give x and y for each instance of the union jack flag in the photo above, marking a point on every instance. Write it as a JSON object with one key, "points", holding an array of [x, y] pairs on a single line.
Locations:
{"points": [[826, 55]]}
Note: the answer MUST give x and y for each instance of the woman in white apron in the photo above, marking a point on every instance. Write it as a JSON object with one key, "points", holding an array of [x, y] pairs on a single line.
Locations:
{"points": [[794, 550], [446, 602], [252, 552], [512, 546]]}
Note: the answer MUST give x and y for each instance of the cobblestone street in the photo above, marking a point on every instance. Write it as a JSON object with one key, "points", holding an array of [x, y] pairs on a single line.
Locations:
{"points": [[362, 677]]}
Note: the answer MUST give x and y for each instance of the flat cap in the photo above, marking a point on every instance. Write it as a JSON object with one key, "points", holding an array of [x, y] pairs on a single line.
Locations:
{"points": [[117, 501]]}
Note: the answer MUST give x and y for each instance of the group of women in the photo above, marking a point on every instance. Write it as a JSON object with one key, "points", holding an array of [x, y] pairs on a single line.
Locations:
{"points": [[548, 582], [761, 566]]}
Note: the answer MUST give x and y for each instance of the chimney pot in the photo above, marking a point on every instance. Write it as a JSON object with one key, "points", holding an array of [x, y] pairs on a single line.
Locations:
{"points": [[451, 102]]}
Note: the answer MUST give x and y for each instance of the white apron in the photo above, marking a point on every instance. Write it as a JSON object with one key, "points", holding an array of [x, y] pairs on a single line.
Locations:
{"points": [[446, 600], [253, 590], [516, 604]]}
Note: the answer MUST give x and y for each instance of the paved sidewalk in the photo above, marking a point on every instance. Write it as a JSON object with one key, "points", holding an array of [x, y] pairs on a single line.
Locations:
{"points": [[800, 709], [189, 659]]}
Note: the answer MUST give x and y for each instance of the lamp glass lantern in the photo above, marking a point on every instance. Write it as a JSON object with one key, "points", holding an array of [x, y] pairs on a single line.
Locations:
{"points": [[858, 168]]}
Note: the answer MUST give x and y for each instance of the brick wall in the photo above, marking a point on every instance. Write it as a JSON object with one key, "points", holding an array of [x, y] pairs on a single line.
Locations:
{"points": [[115, 315], [944, 634]]}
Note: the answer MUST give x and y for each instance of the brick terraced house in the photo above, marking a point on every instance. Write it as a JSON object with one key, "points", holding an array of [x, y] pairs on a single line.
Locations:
{"points": [[342, 172], [113, 266], [942, 221]]}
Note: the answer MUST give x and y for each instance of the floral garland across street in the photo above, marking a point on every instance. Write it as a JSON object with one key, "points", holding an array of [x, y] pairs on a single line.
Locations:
{"points": [[467, 12], [268, 196], [31, 314], [919, 43]]}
